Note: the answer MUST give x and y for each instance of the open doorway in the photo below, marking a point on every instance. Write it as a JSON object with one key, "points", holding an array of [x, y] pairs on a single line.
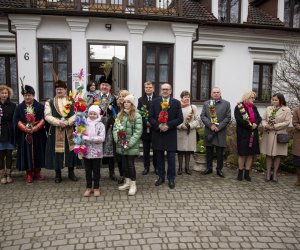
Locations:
{"points": [[101, 53]]}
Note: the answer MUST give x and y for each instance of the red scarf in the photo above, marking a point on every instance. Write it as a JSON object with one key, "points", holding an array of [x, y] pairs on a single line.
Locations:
{"points": [[250, 111]]}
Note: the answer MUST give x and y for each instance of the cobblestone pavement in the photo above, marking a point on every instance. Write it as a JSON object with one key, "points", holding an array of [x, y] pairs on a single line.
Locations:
{"points": [[202, 212]]}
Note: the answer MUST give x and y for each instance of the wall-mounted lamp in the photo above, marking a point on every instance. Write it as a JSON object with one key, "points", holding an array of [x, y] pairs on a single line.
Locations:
{"points": [[108, 26]]}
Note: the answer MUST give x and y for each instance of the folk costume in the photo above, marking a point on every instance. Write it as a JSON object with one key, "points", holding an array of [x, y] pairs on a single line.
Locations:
{"points": [[144, 103], [60, 140], [31, 146], [6, 140], [108, 106]]}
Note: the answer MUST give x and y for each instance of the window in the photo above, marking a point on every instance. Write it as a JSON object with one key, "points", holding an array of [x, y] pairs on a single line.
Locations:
{"points": [[262, 81], [292, 13], [158, 64], [56, 54], [229, 11], [201, 80], [8, 73]]}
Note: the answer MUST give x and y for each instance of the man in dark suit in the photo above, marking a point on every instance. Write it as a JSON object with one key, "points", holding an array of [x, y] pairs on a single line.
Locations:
{"points": [[144, 107], [165, 116]]}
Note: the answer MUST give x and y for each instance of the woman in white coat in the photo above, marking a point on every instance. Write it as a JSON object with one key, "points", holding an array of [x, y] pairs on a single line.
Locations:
{"points": [[275, 120], [186, 132]]}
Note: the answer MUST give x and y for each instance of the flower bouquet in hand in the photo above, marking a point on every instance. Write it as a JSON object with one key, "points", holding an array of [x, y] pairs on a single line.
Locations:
{"points": [[271, 120], [121, 133], [163, 115], [30, 119], [213, 113]]}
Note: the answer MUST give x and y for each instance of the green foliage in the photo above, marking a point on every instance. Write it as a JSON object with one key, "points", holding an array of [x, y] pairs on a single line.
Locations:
{"points": [[232, 159], [200, 144]]}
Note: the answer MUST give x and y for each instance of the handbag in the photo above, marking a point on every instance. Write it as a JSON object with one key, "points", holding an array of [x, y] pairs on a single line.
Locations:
{"points": [[283, 138]]}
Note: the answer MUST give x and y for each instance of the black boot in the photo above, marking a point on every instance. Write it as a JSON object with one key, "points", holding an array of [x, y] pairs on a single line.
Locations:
{"points": [[247, 176], [240, 175], [188, 170], [57, 178], [72, 175], [146, 171]]}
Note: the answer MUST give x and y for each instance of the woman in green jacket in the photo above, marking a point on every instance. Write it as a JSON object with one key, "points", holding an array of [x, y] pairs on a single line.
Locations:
{"points": [[127, 131]]}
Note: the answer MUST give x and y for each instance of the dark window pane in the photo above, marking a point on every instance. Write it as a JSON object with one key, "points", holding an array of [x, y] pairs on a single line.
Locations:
{"points": [[201, 80], [48, 90], [255, 78], [205, 80], [266, 83], [62, 53], [47, 53], [234, 11], [164, 56], [262, 81], [150, 55], [222, 10], [287, 12], [13, 76], [194, 82], [2, 71], [296, 18], [150, 73]]}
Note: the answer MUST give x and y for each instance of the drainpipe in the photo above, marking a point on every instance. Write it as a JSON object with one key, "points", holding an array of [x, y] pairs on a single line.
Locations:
{"points": [[193, 41], [15, 34]]}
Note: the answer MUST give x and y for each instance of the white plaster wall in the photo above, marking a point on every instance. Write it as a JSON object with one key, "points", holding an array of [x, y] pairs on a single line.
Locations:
{"points": [[54, 27], [7, 41], [162, 35]]}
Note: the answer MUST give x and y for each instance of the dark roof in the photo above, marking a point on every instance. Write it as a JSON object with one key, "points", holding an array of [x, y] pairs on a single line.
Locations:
{"points": [[259, 16], [193, 9]]}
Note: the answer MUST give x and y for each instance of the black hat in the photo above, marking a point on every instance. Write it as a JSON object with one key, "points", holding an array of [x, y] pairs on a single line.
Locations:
{"points": [[27, 90], [60, 84], [108, 80], [91, 83]]}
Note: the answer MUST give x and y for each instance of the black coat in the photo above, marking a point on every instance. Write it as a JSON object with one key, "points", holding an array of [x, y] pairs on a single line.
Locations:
{"points": [[7, 132], [244, 130], [165, 140], [30, 156], [143, 102]]}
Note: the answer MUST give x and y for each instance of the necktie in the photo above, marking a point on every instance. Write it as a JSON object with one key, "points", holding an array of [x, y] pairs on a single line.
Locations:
{"points": [[149, 98], [104, 96]]}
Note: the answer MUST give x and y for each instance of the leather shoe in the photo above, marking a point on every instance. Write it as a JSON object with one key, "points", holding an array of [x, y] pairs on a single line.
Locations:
{"points": [[159, 181], [207, 171], [72, 176], [171, 184], [145, 171], [220, 173], [156, 171]]}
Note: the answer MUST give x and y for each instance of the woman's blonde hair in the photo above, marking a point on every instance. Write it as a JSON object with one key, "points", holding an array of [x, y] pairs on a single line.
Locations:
{"points": [[9, 90], [246, 96], [131, 113], [123, 92]]}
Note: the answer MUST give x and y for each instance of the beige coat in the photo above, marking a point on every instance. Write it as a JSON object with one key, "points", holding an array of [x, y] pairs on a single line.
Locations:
{"points": [[268, 144], [187, 142], [296, 138]]}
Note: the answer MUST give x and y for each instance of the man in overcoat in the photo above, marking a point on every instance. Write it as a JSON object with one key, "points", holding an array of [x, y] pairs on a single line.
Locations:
{"points": [[216, 115], [144, 107], [165, 116]]}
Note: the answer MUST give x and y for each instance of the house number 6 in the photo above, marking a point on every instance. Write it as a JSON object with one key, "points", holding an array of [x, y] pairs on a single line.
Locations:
{"points": [[26, 56]]}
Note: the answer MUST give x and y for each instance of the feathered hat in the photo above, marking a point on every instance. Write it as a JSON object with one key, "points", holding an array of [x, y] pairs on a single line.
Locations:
{"points": [[107, 70], [26, 89], [57, 83]]}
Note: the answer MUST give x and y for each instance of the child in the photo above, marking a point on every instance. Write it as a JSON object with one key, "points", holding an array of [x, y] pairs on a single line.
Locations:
{"points": [[94, 138], [127, 131]]}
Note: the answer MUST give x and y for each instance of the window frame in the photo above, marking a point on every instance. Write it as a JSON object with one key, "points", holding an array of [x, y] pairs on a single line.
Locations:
{"points": [[157, 47], [198, 89], [228, 12], [259, 93], [42, 42], [15, 97]]}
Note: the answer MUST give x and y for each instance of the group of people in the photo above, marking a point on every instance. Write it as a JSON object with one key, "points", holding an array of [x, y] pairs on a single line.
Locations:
{"points": [[43, 134]]}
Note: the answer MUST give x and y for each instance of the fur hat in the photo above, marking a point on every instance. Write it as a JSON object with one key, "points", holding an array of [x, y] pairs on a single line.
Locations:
{"points": [[27, 90], [108, 80], [95, 108], [130, 98], [60, 84]]}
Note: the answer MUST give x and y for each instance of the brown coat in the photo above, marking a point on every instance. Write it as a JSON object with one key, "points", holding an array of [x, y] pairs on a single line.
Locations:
{"points": [[268, 144], [296, 138]]}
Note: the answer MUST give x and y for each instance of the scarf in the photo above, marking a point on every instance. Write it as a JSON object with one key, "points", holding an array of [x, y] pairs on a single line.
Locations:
{"points": [[251, 112]]}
